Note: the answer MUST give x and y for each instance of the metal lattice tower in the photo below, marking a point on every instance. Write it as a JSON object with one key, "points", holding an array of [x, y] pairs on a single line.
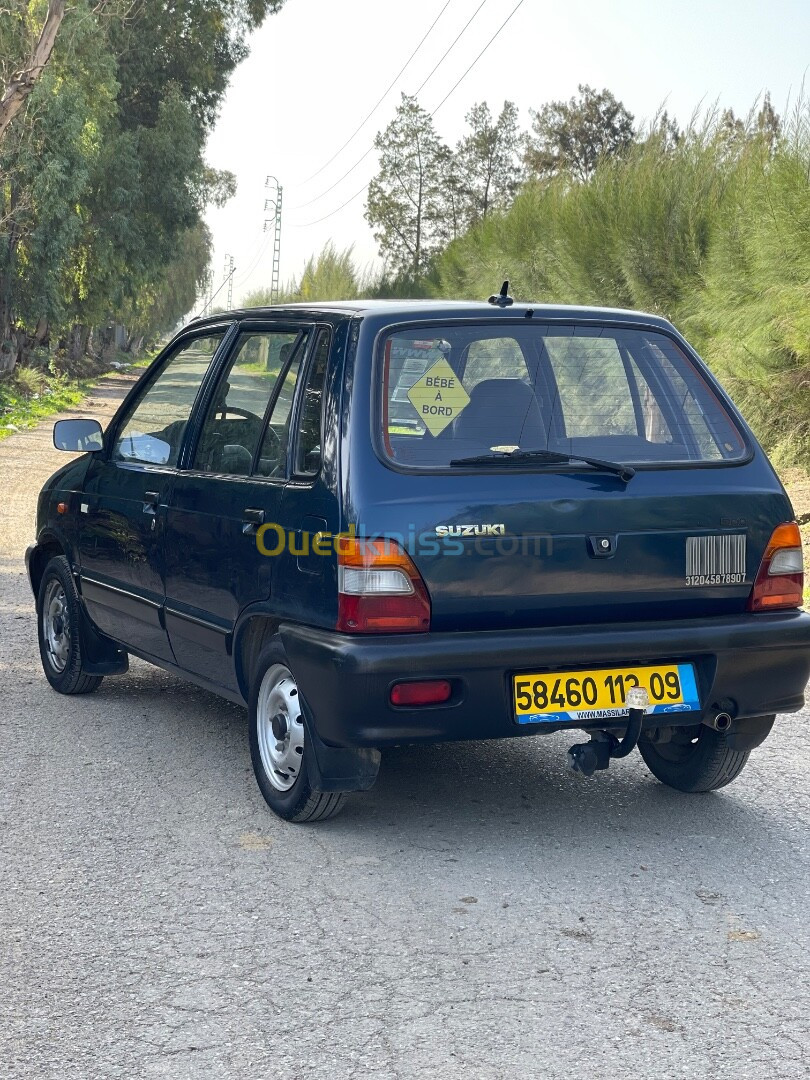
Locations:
{"points": [[208, 290], [229, 271], [274, 223]]}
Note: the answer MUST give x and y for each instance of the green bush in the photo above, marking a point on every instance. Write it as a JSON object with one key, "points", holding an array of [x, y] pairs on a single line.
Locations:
{"points": [[712, 232]]}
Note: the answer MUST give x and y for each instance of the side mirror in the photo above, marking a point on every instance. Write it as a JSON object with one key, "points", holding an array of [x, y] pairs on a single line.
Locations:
{"points": [[78, 436]]}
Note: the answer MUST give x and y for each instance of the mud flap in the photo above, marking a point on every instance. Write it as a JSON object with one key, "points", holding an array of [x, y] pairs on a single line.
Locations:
{"points": [[339, 768], [749, 732], [100, 655]]}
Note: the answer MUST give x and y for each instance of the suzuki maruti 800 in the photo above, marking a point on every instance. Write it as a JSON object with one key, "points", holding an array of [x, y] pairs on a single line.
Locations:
{"points": [[400, 522]]}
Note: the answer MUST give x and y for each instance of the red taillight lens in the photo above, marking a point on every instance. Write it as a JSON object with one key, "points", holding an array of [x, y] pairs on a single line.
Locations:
{"points": [[780, 579], [380, 591], [428, 692]]}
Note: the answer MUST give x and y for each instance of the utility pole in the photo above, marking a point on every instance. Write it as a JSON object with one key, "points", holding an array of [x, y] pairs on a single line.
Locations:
{"points": [[209, 290], [274, 203], [229, 271]]}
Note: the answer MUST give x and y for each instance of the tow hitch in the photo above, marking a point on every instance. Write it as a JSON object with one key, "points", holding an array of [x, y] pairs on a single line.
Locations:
{"points": [[587, 757]]}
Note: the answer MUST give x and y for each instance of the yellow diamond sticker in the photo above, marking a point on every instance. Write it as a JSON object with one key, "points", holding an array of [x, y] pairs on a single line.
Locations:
{"points": [[438, 397]]}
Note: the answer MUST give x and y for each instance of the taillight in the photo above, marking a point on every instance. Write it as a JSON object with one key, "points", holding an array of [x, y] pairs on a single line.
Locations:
{"points": [[780, 579], [380, 591]]}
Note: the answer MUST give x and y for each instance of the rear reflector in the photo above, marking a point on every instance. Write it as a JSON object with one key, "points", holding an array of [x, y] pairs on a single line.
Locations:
{"points": [[380, 590], [780, 580], [429, 692]]}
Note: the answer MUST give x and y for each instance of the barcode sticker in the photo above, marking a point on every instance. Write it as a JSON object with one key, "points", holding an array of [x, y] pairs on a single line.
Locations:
{"points": [[715, 560]]}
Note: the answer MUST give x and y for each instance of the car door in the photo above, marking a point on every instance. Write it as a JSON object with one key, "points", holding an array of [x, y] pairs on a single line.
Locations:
{"points": [[122, 510], [234, 484]]}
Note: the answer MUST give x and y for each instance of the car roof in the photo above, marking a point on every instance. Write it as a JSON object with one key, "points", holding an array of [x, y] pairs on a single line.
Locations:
{"points": [[397, 310]]}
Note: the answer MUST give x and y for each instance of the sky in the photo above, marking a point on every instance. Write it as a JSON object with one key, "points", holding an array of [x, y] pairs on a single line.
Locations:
{"points": [[318, 67]]}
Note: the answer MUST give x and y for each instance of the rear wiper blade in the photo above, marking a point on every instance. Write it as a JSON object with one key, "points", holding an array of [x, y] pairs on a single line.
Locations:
{"points": [[548, 457]]}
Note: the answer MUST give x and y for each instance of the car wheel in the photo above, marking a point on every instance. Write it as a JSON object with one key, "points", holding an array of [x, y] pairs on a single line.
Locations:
{"points": [[697, 759], [59, 617], [278, 744]]}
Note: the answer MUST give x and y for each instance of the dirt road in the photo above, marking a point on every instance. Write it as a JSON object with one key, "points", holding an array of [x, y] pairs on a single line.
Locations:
{"points": [[481, 913]]}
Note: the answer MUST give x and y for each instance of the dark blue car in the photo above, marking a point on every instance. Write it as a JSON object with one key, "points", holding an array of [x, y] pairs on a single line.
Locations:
{"points": [[400, 522]]}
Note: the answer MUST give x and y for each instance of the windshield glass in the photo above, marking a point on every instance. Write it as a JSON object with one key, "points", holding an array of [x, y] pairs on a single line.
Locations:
{"points": [[626, 395]]}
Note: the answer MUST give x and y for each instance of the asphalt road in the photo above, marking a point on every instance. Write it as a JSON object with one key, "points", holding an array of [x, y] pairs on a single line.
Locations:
{"points": [[480, 913]]}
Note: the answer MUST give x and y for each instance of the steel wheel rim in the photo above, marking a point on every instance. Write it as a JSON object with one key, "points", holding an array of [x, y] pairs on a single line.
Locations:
{"points": [[280, 728], [56, 625]]}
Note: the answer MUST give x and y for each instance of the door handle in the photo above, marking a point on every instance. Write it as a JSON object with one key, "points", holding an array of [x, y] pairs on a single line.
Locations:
{"points": [[252, 517], [150, 501]]}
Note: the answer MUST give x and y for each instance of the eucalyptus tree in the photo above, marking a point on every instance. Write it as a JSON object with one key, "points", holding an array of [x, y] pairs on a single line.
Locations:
{"points": [[103, 179]]}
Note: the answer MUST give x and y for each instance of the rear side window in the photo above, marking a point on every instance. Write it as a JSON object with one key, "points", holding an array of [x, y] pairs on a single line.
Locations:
{"points": [[628, 395]]}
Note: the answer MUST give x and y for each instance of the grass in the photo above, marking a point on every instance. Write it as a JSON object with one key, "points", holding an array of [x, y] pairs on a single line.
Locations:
{"points": [[33, 394], [21, 406]]}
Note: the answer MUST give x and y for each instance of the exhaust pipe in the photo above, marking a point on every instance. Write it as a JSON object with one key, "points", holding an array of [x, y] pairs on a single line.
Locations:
{"points": [[719, 722]]}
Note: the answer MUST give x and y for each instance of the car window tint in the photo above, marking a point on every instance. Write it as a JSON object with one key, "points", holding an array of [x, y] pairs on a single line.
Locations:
{"points": [[308, 460], [408, 358], [234, 422], [703, 411], [620, 393], [272, 459], [494, 358], [153, 429], [594, 393]]}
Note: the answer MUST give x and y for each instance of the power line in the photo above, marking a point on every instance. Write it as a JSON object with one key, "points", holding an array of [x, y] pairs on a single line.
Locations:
{"points": [[357, 195], [391, 86], [213, 297], [240, 281], [331, 212], [270, 236], [475, 61], [359, 162], [460, 36]]}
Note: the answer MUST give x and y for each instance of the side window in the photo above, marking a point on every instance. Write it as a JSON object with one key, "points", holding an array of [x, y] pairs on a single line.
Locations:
{"points": [[276, 439], [153, 430], [308, 453], [494, 358], [234, 422]]}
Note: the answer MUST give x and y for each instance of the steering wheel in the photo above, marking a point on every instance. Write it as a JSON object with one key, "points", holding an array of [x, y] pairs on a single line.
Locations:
{"points": [[232, 410]]}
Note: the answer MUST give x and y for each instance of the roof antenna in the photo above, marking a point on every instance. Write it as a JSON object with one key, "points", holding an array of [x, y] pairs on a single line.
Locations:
{"points": [[502, 299]]}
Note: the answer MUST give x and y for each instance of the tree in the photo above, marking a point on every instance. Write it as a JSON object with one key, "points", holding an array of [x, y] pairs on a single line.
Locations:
{"points": [[768, 124], [486, 161], [406, 205], [103, 180], [572, 136], [19, 87]]}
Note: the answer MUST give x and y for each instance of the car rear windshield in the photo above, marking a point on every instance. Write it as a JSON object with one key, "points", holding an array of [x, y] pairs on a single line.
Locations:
{"points": [[629, 395]]}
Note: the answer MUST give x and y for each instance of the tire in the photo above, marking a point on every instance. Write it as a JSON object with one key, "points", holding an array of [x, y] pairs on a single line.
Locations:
{"points": [[59, 618], [700, 760], [278, 752]]}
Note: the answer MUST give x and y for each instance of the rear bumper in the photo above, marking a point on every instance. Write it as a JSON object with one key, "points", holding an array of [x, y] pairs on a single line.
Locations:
{"points": [[760, 663]]}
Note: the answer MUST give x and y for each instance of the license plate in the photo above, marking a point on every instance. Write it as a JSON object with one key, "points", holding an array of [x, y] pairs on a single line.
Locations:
{"points": [[598, 695]]}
